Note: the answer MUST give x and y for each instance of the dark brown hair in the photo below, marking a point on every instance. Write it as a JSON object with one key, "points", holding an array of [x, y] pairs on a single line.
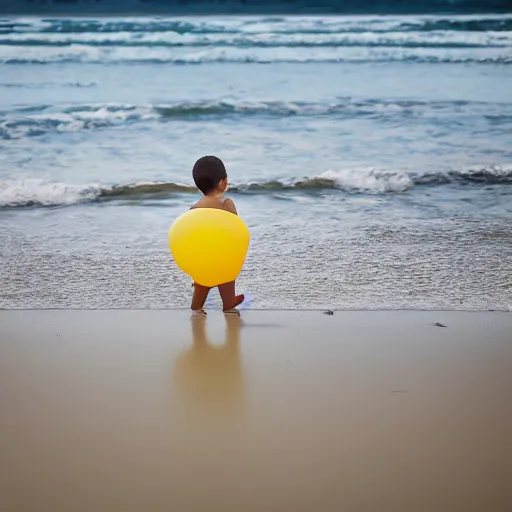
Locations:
{"points": [[208, 172]]}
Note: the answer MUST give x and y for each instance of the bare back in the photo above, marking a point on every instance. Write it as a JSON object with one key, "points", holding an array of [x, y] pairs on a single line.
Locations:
{"points": [[216, 202]]}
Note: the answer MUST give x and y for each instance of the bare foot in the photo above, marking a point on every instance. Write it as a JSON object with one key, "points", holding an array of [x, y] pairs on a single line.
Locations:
{"points": [[238, 299]]}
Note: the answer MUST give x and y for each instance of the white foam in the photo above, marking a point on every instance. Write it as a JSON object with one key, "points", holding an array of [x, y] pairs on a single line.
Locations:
{"points": [[211, 54], [265, 37], [372, 181], [34, 191], [73, 119]]}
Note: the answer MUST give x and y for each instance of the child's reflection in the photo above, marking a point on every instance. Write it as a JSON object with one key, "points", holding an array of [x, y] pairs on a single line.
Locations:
{"points": [[209, 378]]}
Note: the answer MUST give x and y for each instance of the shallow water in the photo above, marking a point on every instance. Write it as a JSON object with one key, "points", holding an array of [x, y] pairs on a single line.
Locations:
{"points": [[369, 156]]}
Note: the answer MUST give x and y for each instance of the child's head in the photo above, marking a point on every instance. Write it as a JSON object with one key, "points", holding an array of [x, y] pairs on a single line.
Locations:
{"points": [[210, 175]]}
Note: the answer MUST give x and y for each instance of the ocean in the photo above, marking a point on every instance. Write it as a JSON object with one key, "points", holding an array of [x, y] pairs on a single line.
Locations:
{"points": [[370, 157]]}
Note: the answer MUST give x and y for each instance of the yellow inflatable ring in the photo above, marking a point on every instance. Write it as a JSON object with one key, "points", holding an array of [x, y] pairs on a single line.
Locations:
{"points": [[209, 245]]}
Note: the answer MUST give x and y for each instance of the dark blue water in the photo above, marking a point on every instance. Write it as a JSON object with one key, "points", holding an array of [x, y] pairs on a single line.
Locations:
{"points": [[261, 7], [370, 157]]}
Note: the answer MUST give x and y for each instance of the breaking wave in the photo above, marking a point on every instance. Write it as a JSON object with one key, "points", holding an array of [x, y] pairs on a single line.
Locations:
{"points": [[435, 39], [37, 120], [258, 39], [19, 193], [88, 54], [257, 24]]}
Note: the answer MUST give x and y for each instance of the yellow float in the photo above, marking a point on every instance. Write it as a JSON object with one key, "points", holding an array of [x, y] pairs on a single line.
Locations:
{"points": [[209, 245]]}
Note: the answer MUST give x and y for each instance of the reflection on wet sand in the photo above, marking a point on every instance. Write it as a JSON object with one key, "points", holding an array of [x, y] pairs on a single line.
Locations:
{"points": [[209, 436], [208, 377], [317, 417]]}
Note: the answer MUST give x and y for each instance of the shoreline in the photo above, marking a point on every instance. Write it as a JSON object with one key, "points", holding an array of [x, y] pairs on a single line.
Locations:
{"points": [[265, 310]]}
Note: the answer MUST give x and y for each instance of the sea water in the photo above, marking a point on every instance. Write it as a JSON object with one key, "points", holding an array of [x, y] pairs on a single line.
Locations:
{"points": [[370, 156]]}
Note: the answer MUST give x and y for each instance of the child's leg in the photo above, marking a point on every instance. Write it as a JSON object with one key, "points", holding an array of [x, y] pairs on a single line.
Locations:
{"points": [[227, 294], [199, 297]]}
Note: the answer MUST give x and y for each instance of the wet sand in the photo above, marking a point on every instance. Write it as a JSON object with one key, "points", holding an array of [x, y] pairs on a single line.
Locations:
{"points": [[292, 411]]}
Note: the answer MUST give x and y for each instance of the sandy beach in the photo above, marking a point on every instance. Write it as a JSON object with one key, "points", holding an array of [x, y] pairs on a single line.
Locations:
{"points": [[293, 411]]}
